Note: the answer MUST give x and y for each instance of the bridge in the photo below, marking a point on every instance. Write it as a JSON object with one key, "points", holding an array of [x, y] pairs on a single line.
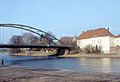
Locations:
{"points": [[32, 46], [61, 49]]}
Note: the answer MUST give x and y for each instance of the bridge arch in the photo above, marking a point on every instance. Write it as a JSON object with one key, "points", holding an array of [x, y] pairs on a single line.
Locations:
{"points": [[33, 30]]}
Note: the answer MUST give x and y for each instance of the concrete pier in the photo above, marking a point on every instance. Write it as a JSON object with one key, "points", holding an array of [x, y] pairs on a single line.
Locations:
{"points": [[30, 74]]}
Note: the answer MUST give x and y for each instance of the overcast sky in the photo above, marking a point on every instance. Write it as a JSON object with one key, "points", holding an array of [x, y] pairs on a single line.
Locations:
{"points": [[62, 17]]}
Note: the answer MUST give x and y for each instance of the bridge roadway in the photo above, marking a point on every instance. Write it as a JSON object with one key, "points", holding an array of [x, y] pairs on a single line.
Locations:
{"points": [[32, 46]]}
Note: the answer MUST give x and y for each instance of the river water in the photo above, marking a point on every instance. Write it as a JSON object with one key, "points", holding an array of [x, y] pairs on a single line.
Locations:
{"points": [[104, 65]]}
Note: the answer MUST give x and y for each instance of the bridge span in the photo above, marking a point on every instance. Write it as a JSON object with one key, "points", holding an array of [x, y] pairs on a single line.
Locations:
{"points": [[60, 49], [33, 46]]}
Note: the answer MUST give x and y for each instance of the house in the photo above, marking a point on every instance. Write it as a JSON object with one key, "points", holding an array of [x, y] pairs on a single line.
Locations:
{"points": [[68, 40], [117, 40], [101, 37]]}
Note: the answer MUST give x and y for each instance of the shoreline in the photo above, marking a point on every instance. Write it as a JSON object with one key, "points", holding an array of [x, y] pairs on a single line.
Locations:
{"points": [[31, 74], [90, 55], [70, 55]]}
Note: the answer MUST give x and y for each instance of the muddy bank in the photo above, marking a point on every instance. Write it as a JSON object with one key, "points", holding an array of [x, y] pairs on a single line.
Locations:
{"points": [[30, 74]]}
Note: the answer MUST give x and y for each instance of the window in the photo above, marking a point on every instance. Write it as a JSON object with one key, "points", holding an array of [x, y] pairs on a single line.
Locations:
{"points": [[79, 42], [117, 41], [99, 41], [93, 41]]}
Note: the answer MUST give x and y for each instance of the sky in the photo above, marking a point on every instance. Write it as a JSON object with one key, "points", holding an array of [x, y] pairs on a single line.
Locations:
{"points": [[62, 17]]}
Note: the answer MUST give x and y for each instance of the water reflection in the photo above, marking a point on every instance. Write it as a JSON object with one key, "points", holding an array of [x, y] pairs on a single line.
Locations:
{"points": [[97, 64], [105, 65]]}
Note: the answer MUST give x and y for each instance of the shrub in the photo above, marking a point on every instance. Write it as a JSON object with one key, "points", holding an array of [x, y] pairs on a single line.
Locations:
{"points": [[92, 49]]}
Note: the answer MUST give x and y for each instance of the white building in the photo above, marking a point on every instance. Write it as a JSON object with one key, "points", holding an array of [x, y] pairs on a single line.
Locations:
{"points": [[117, 40], [101, 37]]}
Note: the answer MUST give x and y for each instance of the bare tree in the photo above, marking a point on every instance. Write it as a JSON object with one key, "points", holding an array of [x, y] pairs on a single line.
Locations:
{"points": [[25, 39], [47, 39], [29, 38], [16, 40], [35, 40]]}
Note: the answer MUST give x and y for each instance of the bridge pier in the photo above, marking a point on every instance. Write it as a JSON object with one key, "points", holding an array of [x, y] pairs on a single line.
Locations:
{"points": [[67, 51], [63, 51]]}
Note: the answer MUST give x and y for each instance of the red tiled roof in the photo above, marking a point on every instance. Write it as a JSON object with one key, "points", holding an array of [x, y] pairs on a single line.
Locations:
{"points": [[70, 39], [95, 33], [118, 35]]}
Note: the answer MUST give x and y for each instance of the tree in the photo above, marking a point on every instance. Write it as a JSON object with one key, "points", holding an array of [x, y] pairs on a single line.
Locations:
{"points": [[47, 39], [92, 49], [35, 40], [16, 40], [24, 39], [29, 38], [69, 41]]}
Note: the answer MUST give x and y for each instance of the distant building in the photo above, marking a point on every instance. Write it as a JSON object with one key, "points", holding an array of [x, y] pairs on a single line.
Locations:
{"points": [[68, 40], [117, 40], [101, 37]]}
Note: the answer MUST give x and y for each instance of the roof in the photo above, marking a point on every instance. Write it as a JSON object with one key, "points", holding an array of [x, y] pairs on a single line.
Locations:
{"points": [[95, 33], [70, 39], [118, 35]]}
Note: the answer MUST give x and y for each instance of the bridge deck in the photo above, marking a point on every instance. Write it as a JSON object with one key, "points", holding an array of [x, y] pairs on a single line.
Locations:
{"points": [[30, 46]]}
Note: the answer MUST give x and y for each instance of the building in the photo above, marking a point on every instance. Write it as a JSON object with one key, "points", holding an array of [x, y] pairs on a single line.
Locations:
{"points": [[117, 40], [68, 40], [101, 37]]}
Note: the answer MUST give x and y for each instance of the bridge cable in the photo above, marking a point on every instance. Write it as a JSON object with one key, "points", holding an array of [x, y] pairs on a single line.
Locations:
{"points": [[3, 35]]}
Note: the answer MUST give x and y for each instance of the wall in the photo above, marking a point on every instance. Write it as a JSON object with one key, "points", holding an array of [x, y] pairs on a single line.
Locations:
{"points": [[104, 42], [115, 50], [112, 41], [115, 45], [117, 41]]}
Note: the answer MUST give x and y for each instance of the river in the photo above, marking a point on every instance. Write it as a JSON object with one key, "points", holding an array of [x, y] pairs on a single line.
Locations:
{"points": [[104, 65]]}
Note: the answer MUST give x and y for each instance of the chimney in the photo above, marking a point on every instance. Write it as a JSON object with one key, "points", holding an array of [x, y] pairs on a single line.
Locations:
{"points": [[82, 31], [108, 29]]}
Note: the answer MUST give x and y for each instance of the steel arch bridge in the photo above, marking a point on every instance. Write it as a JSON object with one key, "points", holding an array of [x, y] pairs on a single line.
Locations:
{"points": [[32, 30]]}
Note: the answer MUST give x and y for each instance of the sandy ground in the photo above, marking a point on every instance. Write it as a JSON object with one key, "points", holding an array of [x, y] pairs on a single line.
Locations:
{"points": [[30, 74], [90, 55]]}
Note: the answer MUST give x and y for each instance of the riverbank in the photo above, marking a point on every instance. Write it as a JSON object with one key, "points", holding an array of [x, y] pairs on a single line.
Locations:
{"points": [[90, 55], [35, 53], [30, 74], [38, 53]]}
